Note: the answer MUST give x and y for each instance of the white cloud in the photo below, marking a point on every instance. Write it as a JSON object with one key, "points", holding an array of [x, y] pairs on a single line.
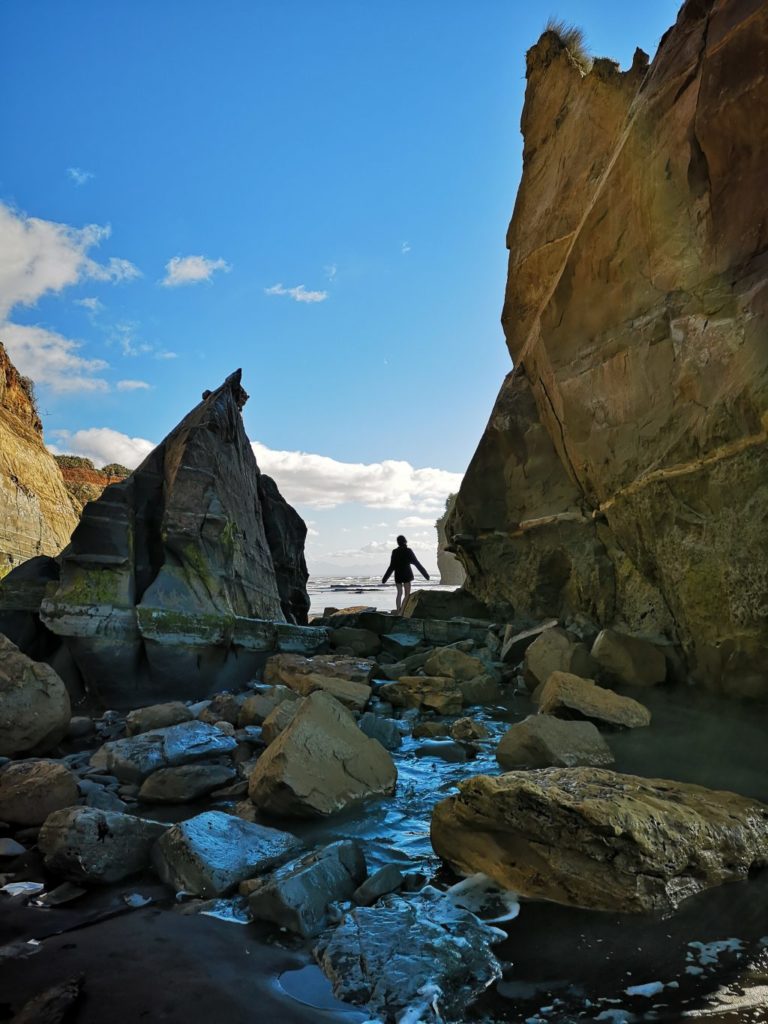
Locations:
{"points": [[38, 257], [52, 360], [92, 304], [166, 355], [323, 482], [298, 294], [191, 270], [133, 385], [330, 271], [102, 445], [405, 247], [79, 176]]}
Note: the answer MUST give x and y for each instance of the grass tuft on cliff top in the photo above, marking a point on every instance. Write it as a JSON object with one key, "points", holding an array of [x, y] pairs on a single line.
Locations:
{"points": [[573, 39]]}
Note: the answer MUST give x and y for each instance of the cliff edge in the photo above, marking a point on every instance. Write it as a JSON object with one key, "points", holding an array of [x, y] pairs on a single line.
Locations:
{"points": [[623, 473]]}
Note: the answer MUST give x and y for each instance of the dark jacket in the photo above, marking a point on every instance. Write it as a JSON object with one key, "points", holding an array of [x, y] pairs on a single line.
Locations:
{"points": [[400, 564]]}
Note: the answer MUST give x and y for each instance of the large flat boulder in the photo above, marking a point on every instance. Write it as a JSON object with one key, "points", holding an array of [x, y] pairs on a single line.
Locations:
{"points": [[185, 783], [444, 604], [297, 895], [588, 837], [134, 758], [34, 704], [569, 696], [31, 790], [156, 716], [210, 854], [543, 741], [84, 844], [410, 958], [343, 677], [450, 661], [320, 764]]}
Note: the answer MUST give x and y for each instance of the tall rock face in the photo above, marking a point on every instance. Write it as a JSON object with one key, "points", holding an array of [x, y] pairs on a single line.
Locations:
{"points": [[84, 482], [624, 471], [179, 575], [450, 568], [36, 517]]}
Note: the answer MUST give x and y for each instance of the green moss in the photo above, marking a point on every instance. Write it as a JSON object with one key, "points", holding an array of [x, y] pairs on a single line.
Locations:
{"points": [[92, 586]]}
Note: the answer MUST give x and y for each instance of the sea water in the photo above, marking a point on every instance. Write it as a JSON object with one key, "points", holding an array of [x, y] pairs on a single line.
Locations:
{"points": [[350, 591]]}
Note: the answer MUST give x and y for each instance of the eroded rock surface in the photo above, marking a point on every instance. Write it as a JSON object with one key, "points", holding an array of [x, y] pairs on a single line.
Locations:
{"points": [[31, 790], [543, 741], [624, 470], [134, 758], [34, 704], [570, 696], [593, 838]]}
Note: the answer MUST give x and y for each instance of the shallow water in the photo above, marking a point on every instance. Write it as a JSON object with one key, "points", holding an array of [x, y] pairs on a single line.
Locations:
{"points": [[349, 591]]}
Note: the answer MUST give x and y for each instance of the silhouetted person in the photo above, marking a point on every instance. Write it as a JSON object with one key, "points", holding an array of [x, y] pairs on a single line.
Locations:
{"points": [[400, 564]]}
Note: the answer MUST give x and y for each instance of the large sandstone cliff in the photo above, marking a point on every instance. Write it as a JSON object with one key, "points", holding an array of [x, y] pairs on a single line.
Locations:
{"points": [[624, 471], [36, 517]]}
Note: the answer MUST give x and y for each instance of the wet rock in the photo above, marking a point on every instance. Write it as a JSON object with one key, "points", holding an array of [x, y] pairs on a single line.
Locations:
{"points": [[385, 880], [31, 790], [34, 704], [407, 955], [445, 750], [320, 764], [593, 838], [53, 1005], [136, 757], [104, 799], [382, 729], [407, 667], [569, 696], [183, 784], [307, 675], [158, 716], [482, 689], [82, 844], [10, 848], [550, 652], [451, 662], [629, 659], [363, 643], [279, 719], [297, 895], [401, 645], [208, 855], [517, 641], [435, 693], [259, 706], [466, 729], [543, 741]]}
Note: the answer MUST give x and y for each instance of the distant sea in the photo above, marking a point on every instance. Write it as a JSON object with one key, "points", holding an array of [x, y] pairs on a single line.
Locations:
{"points": [[348, 591]]}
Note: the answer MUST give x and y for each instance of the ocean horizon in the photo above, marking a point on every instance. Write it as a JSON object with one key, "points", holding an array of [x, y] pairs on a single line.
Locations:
{"points": [[350, 591]]}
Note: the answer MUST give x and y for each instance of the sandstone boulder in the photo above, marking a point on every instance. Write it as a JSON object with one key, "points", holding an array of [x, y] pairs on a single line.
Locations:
{"points": [[550, 652], [466, 730], [134, 758], [445, 604], [210, 854], [31, 790], [157, 716], [384, 730], [593, 838], [451, 662], [482, 689], [363, 643], [34, 703], [569, 696], [543, 741], [83, 844], [340, 676], [185, 783], [517, 641], [434, 693], [629, 659], [320, 764], [380, 883], [297, 895]]}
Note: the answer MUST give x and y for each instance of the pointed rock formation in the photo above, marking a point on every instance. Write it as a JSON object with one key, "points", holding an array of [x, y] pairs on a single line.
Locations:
{"points": [[170, 586], [624, 469]]}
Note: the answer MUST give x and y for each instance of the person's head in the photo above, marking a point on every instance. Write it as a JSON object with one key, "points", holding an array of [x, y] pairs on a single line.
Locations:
{"points": [[402, 542]]}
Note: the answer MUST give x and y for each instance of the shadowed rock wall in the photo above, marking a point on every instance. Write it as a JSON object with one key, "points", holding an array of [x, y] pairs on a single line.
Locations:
{"points": [[623, 472]]}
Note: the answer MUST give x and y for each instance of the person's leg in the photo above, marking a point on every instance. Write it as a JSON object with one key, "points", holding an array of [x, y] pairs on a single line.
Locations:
{"points": [[407, 594], [399, 587]]}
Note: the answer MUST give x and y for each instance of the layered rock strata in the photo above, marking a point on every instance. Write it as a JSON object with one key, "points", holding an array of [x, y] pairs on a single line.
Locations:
{"points": [[624, 472], [36, 517], [182, 576]]}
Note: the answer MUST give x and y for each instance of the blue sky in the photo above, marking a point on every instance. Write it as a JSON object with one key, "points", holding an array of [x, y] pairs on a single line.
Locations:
{"points": [[324, 188]]}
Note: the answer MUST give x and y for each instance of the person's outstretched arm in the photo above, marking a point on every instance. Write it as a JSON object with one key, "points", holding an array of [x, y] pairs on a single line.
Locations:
{"points": [[419, 566], [389, 571]]}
